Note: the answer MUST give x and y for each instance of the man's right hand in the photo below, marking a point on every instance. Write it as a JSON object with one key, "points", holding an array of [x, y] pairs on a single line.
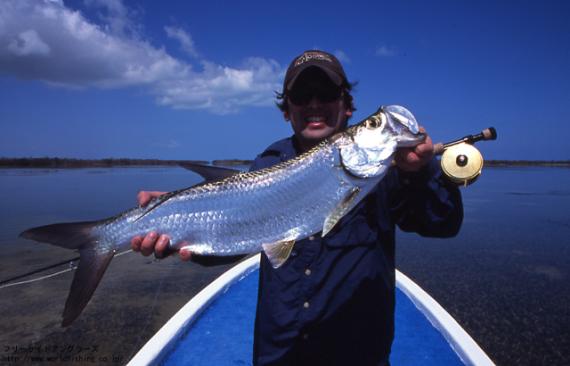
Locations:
{"points": [[152, 242]]}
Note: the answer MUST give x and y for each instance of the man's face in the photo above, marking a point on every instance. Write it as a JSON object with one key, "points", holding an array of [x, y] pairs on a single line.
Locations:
{"points": [[316, 107]]}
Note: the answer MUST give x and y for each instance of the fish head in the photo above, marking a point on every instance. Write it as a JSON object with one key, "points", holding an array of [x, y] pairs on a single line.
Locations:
{"points": [[368, 147], [402, 126]]}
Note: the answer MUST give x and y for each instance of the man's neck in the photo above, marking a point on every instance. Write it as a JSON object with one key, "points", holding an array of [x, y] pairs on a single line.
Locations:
{"points": [[302, 146]]}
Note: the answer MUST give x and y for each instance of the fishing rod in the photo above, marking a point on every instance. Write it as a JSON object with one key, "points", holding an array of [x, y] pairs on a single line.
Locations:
{"points": [[485, 135], [461, 162]]}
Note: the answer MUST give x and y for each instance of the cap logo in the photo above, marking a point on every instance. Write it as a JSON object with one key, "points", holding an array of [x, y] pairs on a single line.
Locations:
{"points": [[308, 56]]}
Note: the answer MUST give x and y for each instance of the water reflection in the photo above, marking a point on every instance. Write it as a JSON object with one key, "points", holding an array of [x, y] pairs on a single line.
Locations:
{"points": [[504, 277]]}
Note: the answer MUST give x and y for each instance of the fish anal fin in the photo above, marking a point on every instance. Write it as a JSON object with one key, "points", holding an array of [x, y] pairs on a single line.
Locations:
{"points": [[277, 253], [340, 210], [92, 266]]}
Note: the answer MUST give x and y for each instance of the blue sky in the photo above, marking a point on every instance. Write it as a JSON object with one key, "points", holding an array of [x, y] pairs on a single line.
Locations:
{"points": [[196, 79]]}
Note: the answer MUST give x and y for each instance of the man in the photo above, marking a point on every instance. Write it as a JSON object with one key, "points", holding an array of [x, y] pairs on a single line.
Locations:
{"points": [[332, 302]]}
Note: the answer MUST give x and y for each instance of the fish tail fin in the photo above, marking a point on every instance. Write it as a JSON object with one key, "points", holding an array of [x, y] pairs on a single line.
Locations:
{"points": [[72, 235], [92, 266], [93, 260]]}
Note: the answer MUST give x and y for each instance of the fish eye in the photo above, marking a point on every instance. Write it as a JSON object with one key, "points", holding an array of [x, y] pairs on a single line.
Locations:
{"points": [[373, 123]]}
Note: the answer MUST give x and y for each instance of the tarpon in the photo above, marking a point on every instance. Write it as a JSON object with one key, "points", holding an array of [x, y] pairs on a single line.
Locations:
{"points": [[266, 210]]}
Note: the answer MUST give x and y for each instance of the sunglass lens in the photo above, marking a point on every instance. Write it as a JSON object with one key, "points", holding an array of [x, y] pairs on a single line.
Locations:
{"points": [[329, 95], [300, 97], [304, 96]]}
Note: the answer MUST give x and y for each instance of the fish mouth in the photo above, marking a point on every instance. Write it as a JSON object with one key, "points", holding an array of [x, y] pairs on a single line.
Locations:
{"points": [[411, 140]]}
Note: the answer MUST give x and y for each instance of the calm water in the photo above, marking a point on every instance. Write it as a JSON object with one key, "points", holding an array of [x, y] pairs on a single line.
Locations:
{"points": [[505, 277]]}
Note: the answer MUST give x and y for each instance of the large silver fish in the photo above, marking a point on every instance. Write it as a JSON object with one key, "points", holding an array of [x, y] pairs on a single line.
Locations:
{"points": [[245, 213]]}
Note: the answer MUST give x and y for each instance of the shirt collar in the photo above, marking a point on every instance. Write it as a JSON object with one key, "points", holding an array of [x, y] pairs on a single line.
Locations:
{"points": [[286, 149]]}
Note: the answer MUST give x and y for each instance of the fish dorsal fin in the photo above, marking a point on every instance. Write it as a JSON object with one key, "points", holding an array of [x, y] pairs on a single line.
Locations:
{"points": [[156, 202], [277, 253], [209, 172], [340, 210]]}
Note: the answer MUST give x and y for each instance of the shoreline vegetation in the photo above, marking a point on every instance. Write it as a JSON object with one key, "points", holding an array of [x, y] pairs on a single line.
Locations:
{"points": [[63, 163]]}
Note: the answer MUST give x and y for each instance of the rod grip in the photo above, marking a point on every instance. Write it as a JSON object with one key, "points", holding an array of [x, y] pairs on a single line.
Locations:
{"points": [[438, 148]]}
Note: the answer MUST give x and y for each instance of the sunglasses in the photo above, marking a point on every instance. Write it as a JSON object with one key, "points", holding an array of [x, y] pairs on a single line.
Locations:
{"points": [[302, 96]]}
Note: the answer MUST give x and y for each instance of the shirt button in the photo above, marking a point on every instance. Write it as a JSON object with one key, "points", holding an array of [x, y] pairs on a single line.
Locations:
{"points": [[311, 238], [308, 272], [306, 305], [305, 336]]}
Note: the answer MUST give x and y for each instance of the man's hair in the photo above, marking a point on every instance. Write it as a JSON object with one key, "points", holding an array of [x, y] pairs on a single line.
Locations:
{"points": [[346, 96]]}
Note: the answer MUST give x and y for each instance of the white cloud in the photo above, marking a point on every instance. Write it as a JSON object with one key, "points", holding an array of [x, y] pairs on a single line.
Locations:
{"points": [[223, 89], [384, 51], [28, 43], [115, 16], [186, 41], [45, 40]]}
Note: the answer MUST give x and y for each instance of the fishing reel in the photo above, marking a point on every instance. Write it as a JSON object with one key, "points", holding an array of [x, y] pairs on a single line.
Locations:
{"points": [[461, 162]]}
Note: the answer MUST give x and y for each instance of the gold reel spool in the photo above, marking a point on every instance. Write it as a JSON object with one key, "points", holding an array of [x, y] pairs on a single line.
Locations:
{"points": [[462, 163]]}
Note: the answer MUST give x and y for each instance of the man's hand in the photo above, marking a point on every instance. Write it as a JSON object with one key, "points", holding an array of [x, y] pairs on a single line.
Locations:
{"points": [[414, 158], [153, 242]]}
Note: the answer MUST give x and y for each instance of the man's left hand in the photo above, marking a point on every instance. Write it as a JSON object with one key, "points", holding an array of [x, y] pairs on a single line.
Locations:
{"points": [[414, 158]]}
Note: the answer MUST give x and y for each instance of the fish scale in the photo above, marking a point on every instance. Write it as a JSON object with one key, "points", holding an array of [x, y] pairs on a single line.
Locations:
{"points": [[248, 212]]}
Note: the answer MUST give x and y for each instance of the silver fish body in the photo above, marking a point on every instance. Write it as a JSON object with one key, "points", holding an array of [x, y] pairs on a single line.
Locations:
{"points": [[239, 214], [248, 212]]}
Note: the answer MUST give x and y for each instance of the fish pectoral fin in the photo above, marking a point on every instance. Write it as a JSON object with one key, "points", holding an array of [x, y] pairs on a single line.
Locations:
{"points": [[340, 210], [277, 253], [92, 266]]}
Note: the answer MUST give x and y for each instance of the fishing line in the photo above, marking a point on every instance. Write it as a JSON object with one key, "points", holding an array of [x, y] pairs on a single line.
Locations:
{"points": [[137, 345], [70, 261], [5, 283], [37, 279]]}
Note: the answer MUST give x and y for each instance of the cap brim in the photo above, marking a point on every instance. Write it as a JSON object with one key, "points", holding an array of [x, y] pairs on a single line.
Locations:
{"points": [[335, 78]]}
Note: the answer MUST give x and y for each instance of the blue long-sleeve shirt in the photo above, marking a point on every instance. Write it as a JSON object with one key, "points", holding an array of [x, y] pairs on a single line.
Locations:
{"points": [[332, 302]]}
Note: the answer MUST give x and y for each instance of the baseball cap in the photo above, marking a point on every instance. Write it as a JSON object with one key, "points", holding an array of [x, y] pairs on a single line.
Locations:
{"points": [[321, 59]]}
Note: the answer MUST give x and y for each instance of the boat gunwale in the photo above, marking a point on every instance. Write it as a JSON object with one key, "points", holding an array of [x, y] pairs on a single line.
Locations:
{"points": [[460, 341], [155, 350]]}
